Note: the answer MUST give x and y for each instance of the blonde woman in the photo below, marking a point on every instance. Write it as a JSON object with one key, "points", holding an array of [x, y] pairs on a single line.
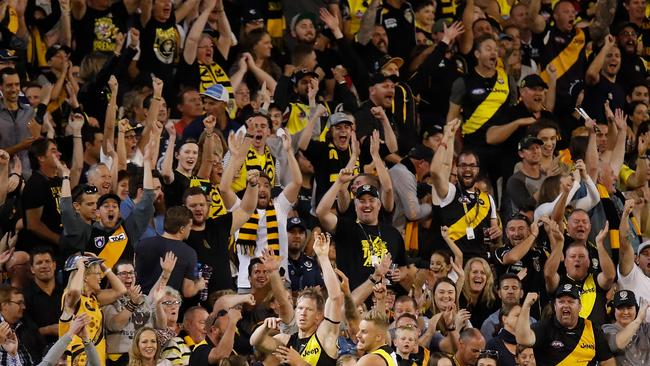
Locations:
{"points": [[145, 350], [478, 290]]}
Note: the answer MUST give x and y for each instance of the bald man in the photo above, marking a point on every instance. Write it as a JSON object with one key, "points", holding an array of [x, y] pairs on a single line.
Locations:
{"points": [[470, 346], [18, 268]]}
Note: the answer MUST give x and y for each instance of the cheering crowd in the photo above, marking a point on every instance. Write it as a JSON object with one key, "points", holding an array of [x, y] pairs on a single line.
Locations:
{"points": [[324, 182]]}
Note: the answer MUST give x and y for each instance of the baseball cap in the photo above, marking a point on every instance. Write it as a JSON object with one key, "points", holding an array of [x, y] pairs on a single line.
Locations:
{"points": [[338, 118], [533, 81], [624, 298], [421, 152], [252, 15], [503, 36], [52, 50], [642, 246], [367, 189], [379, 78], [302, 73], [432, 129], [568, 290], [300, 17], [294, 222], [8, 55], [384, 60], [217, 92], [71, 262], [527, 141], [108, 196]]}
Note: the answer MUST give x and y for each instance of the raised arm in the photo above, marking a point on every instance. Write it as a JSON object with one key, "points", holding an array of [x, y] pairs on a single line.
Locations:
{"points": [[443, 161], [498, 134], [261, 75], [603, 17], [167, 169], [227, 341], [626, 252], [193, 37], [387, 192], [293, 188], [116, 290], [75, 287], [272, 264], [111, 113], [324, 212], [306, 135], [225, 32], [519, 251], [152, 113], [618, 153], [466, 40], [328, 330], [368, 22], [524, 334], [551, 275], [4, 175], [239, 146], [593, 71], [248, 202], [185, 9], [591, 155], [625, 335], [76, 124], [389, 134], [535, 19], [608, 274]]}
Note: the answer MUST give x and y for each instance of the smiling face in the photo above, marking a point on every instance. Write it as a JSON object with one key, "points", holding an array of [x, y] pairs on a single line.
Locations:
{"points": [[526, 357], [577, 262], [549, 137], [43, 267], [368, 336], [477, 277], [126, 274], [101, 178], [467, 170], [263, 48], [635, 9], [11, 87], [564, 15], [579, 226], [259, 276], [123, 188], [625, 314], [439, 266], [531, 155], [148, 345], [379, 38], [187, 156], [444, 296], [640, 114], [567, 310], [639, 94], [305, 31], [627, 39], [367, 209], [517, 231]]}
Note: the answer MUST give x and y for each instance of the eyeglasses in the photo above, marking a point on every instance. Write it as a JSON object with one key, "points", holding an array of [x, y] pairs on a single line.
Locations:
{"points": [[126, 273], [171, 302], [19, 303], [628, 33], [488, 353], [467, 166]]}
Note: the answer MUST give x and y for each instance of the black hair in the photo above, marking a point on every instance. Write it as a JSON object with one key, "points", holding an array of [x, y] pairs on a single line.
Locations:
{"points": [[38, 149], [6, 72], [252, 264], [193, 191], [40, 250], [508, 276]]}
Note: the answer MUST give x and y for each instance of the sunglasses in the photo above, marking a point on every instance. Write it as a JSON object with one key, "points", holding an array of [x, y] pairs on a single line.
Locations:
{"points": [[172, 302], [488, 353], [85, 189]]}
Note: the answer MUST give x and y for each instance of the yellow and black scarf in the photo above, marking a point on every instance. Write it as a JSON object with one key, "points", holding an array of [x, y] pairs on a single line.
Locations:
{"points": [[333, 154], [253, 163], [247, 238]]}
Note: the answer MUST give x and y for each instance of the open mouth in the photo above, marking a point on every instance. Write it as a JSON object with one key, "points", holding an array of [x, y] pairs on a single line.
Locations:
{"points": [[111, 217]]}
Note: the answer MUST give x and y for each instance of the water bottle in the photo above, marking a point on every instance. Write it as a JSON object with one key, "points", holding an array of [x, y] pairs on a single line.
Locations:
{"points": [[206, 273]]}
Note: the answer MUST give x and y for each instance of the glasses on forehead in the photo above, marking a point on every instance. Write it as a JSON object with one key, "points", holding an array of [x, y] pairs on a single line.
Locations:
{"points": [[488, 353]]}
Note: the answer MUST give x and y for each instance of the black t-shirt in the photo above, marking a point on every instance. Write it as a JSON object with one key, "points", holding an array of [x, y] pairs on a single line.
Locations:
{"points": [[196, 77], [96, 31], [211, 246], [400, 28], [147, 262], [357, 244], [201, 354], [554, 343], [327, 165], [174, 191], [42, 308], [161, 48], [596, 95], [41, 191]]}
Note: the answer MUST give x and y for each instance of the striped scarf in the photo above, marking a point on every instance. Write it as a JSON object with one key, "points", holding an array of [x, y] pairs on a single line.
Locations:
{"points": [[247, 238], [252, 163]]}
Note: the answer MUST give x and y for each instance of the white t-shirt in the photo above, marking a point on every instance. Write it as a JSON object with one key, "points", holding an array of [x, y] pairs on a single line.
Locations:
{"points": [[282, 207], [637, 282]]}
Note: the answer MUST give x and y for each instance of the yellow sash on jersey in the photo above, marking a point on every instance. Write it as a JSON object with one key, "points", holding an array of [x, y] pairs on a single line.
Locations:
{"points": [[36, 48], [390, 361], [312, 351], [298, 117], [262, 162], [334, 155], [568, 57], [585, 350], [13, 19], [490, 105], [213, 74], [114, 248], [588, 296], [472, 218]]}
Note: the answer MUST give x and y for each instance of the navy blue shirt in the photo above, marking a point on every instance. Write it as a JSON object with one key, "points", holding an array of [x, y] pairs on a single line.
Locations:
{"points": [[304, 272]]}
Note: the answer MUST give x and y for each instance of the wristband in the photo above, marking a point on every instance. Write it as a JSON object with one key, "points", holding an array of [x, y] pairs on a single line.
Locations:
{"points": [[373, 280], [65, 177]]}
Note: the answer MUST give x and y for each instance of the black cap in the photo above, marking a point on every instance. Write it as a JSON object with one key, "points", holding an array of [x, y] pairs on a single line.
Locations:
{"points": [[387, 59], [568, 290], [51, 52], [379, 78], [108, 196], [300, 17], [624, 298], [527, 141], [533, 81], [622, 25], [421, 152], [296, 221], [367, 189], [251, 15], [302, 73], [432, 129], [8, 55]]}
